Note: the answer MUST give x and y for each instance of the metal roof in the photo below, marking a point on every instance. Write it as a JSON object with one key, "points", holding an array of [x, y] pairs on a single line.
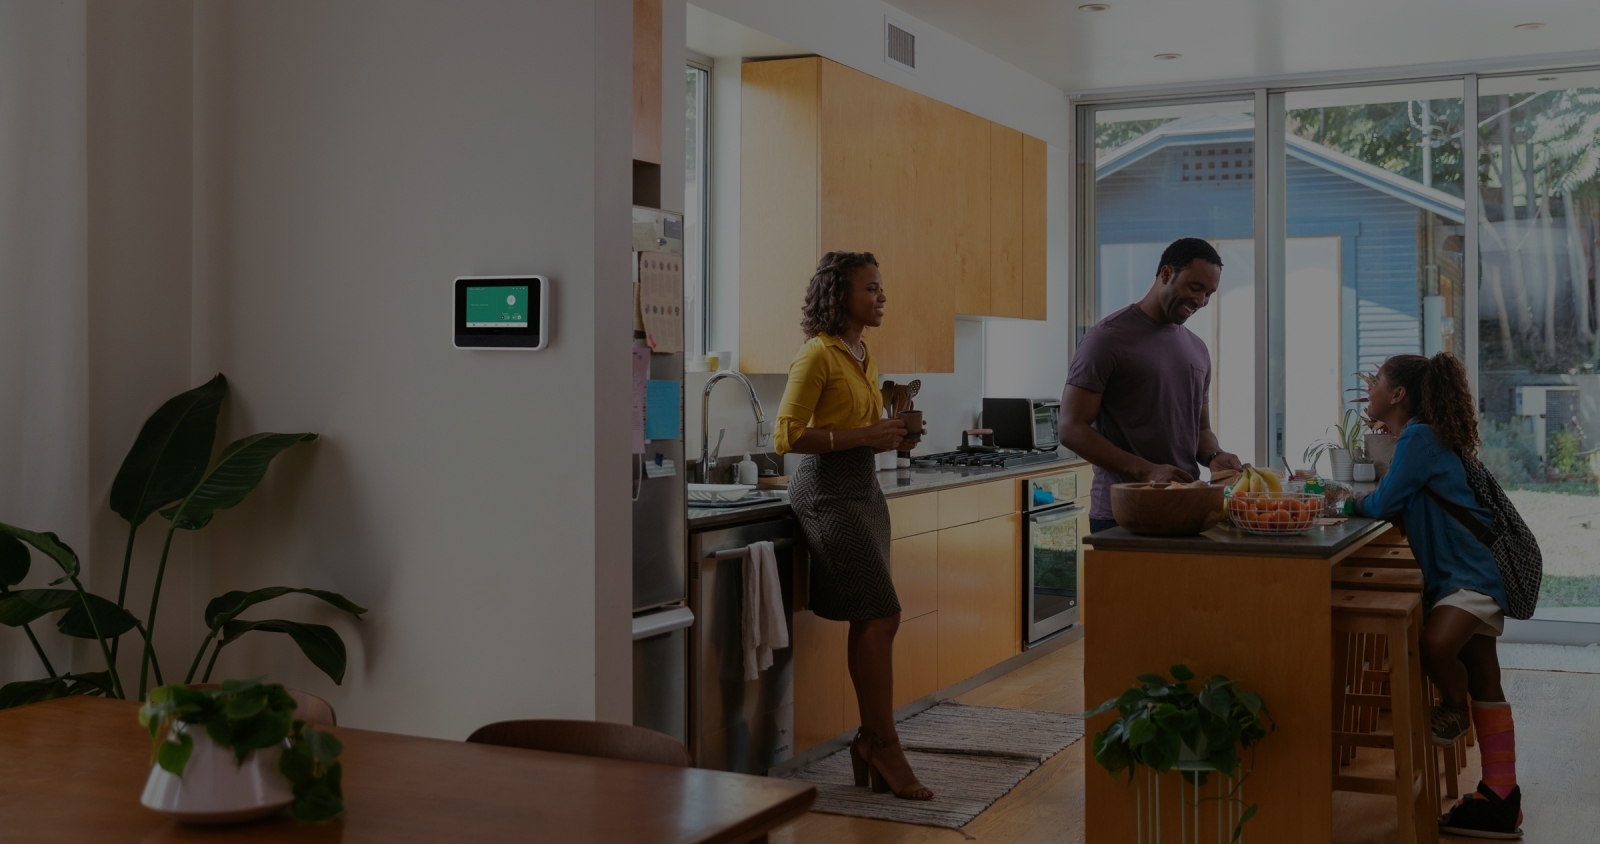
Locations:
{"points": [[1233, 128]]}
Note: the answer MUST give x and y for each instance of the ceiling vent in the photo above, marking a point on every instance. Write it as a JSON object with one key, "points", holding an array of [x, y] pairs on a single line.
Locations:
{"points": [[899, 45]]}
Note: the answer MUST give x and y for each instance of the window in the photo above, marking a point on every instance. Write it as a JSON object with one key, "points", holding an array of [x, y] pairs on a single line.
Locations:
{"points": [[1165, 172], [1538, 388], [697, 193]]}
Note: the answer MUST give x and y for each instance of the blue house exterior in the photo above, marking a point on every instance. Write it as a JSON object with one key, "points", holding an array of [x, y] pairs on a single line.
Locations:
{"points": [[1194, 177]]}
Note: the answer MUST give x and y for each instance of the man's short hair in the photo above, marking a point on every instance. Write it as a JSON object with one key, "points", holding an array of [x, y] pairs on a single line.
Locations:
{"points": [[1184, 251]]}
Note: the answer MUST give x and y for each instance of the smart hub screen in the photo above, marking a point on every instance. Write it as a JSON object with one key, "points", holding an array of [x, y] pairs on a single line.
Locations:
{"points": [[497, 307]]}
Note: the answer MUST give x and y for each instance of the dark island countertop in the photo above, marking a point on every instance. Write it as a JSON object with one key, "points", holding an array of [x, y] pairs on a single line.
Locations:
{"points": [[893, 482], [1317, 543]]}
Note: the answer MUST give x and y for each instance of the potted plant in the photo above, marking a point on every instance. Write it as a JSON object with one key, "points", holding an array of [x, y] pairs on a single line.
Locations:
{"points": [[168, 471], [1344, 450], [237, 753], [1167, 726]]}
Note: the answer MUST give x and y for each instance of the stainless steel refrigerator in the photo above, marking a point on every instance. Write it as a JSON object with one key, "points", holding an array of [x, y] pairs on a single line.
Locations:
{"points": [[661, 614]]}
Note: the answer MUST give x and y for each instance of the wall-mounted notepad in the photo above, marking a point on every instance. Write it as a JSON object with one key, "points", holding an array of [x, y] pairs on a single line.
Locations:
{"points": [[663, 406]]}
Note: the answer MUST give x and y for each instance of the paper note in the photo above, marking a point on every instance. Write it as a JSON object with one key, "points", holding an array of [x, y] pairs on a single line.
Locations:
{"points": [[663, 406], [661, 300], [641, 374]]}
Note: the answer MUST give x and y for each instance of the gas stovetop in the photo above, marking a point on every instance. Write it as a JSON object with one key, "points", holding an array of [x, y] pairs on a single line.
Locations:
{"points": [[999, 459]]}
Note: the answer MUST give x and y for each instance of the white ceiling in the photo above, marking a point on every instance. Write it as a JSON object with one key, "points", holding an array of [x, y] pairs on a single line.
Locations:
{"points": [[1241, 39]]}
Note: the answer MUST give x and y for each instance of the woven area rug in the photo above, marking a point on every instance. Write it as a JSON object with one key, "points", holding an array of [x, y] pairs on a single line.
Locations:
{"points": [[969, 755]]}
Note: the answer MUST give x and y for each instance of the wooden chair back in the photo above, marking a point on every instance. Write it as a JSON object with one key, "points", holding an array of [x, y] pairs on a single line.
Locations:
{"points": [[586, 738], [307, 707]]}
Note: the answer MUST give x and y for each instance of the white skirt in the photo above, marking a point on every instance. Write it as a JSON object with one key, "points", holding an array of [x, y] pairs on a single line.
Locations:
{"points": [[1489, 613]]}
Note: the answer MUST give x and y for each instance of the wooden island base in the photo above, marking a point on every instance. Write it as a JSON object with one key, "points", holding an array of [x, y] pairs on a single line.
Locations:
{"points": [[1221, 603]]}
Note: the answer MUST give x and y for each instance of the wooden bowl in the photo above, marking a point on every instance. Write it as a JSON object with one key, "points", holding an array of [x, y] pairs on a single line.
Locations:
{"points": [[1160, 510]]}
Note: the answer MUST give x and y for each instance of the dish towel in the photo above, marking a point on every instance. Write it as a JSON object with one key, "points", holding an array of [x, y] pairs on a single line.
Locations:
{"points": [[764, 628]]}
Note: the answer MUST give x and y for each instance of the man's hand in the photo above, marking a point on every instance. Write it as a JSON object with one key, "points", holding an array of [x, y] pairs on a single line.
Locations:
{"points": [[1162, 473], [1224, 460]]}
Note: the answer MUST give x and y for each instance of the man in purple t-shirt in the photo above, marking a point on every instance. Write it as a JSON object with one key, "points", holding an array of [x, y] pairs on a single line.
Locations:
{"points": [[1135, 402]]}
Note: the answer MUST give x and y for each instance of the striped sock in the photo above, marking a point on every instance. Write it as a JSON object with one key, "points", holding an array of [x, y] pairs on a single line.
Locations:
{"points": [[1497, 745]]}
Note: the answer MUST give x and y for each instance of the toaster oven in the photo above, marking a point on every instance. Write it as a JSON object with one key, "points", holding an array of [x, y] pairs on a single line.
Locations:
{"points": [[1023, 423]]}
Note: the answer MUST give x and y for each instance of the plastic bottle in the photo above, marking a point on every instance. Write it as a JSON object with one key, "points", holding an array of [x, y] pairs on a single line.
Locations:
{"points": [[748, 472]]}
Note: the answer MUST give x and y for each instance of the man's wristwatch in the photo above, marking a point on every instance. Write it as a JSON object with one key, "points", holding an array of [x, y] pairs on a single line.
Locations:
{"points": [[1205, 460]]}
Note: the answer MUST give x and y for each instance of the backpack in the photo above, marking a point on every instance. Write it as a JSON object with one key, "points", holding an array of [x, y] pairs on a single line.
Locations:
{"points": [[1510, 542]]}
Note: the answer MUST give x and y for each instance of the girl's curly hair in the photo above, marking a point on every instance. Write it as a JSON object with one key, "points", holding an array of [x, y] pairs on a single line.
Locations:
{"points": [[827, 306], [1440, 395]]}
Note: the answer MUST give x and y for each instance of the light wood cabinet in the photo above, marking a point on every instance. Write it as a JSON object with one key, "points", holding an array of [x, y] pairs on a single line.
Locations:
{"points": [[916, 659], [914, 566], [836, 159], [821, 679], [955, 558], [980, 593], [1035, 226], [913, 514], [647, 81], [977, 502]]}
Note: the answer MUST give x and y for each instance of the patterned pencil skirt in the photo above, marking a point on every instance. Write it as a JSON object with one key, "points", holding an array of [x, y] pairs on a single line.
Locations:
{"points": [[846, 522]]}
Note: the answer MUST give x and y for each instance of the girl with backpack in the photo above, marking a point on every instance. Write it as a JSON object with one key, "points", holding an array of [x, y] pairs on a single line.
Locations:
{"points": [[1427, 404]]}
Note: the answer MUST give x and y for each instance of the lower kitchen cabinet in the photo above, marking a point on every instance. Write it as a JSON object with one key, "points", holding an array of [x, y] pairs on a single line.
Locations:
{"points": [[980, 593], [916, 659], [914, 566], [821, 679]]}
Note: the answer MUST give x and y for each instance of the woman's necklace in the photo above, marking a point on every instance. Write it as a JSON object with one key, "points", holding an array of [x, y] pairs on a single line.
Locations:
{"points": [[861, 356]]}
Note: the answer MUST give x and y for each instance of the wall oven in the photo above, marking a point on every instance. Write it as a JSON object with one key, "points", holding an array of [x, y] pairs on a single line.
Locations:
{"points": [[1056, 517]]}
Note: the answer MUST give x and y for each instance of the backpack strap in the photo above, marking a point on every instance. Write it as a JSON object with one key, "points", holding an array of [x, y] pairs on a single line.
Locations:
{"points": [[1483, 533]]}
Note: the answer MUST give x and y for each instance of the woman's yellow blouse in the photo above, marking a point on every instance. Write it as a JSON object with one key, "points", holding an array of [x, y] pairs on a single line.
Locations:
{"points": [[827, 390]]}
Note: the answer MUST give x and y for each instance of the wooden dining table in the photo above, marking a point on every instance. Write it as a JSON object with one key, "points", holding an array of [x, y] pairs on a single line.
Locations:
{"points": [[72, 770]]}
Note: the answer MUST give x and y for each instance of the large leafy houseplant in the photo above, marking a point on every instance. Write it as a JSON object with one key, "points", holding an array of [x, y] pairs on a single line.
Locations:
{"points": [[245, 716], [167, 471], [1164, 725]]}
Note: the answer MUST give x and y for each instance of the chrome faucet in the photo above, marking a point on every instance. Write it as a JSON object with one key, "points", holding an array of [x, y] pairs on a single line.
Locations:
{"points": [[708, 462]]}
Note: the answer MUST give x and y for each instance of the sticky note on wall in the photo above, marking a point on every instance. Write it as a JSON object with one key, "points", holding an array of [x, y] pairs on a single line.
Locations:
{"points": [[663, 406]]}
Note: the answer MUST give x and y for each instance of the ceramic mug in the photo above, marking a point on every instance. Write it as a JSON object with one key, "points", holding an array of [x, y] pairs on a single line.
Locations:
{"points": [[913, 420]]}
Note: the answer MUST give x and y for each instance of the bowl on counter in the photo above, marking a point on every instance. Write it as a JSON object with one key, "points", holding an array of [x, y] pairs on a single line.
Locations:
{"points": [[1160, 509], [1275, 513]]}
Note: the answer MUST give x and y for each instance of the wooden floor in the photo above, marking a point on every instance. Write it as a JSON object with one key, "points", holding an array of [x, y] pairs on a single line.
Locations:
{"points": [[1558, 743]]}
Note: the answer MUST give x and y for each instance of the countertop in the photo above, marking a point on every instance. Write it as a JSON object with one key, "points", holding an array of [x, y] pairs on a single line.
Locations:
{"points": [[894, 482], [1317, 543]]}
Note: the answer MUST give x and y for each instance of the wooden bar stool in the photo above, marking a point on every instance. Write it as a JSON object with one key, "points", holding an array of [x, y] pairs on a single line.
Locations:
{"points": [[1452, 759], [1398, 617], [1382, 556]]}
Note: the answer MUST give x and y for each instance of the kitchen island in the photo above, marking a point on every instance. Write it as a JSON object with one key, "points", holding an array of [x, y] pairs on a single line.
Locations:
{"points": [[1253, 608]]}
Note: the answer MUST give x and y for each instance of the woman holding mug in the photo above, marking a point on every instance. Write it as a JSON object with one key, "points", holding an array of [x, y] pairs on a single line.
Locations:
{"points": [[832, 413]]}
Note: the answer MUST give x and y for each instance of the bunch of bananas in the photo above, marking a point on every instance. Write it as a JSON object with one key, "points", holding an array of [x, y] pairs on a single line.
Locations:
{"points": [[1258, 480]]}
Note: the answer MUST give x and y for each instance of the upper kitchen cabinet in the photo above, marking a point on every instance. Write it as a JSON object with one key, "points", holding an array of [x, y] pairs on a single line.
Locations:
{"points": [[647, 81], [835, 159]]}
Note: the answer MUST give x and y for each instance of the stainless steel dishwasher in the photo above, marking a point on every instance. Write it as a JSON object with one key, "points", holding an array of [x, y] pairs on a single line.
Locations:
{"points": [[746, 727]]}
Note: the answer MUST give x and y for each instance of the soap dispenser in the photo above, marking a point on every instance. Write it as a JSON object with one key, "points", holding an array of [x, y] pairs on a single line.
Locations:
{"points": [[748, 471]]}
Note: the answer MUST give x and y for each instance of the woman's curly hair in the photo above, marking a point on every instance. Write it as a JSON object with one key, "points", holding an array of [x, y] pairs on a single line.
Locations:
{"points": [[827, 306], [1440, 395]]}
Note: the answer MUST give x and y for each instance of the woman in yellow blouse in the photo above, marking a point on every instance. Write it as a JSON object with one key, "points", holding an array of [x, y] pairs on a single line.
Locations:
{"points": [[832, 412]]}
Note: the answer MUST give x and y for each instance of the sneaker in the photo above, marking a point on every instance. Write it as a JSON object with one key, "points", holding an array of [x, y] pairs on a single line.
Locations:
{"points": [[1448, 725], [1485, 814]]}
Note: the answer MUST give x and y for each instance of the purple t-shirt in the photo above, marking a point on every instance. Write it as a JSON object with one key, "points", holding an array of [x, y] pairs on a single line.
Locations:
{"points": [[1153, 380]]}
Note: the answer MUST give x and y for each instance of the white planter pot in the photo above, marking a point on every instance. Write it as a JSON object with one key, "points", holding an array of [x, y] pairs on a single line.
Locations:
{"points": [[1364, 473], [214, 790], [1341, 463]]}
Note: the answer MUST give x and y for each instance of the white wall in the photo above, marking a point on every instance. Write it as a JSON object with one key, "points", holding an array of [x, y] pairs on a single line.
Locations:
{"points": [[283, 192], [358, 157], [44, 431], [994, 357]]}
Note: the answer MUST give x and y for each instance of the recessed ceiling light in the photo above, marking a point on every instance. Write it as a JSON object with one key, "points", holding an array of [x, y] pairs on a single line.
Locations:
{"points": [[1548, 78], [1169, 56], [1529, 26], [1093, 7]]}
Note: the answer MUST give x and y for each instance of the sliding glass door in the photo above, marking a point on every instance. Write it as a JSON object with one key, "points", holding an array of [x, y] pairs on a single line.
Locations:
{"points": [[1538, 169], [1159, 173]]}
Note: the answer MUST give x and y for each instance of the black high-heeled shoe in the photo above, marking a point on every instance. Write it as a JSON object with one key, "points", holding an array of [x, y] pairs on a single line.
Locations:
{"points": [[860, 761]]}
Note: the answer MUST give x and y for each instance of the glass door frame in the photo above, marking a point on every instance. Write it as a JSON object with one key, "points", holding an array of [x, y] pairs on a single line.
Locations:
{"points": [[1270, 229], [1269, 212]]}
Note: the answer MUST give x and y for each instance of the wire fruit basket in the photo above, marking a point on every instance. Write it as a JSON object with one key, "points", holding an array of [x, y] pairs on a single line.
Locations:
{"points": [[1275, 513]]}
